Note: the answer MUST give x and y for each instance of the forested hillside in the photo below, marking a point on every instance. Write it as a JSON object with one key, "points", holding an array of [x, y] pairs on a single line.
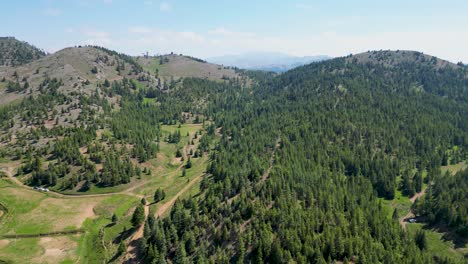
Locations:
{"points": [[340, 134], [86, 116], [294, 168]]}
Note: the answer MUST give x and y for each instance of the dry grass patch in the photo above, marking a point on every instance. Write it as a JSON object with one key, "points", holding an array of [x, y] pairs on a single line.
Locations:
{"points": [[63, 213]]}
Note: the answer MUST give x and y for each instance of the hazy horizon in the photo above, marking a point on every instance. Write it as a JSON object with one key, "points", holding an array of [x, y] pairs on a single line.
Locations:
{"points": [[209, 29]]}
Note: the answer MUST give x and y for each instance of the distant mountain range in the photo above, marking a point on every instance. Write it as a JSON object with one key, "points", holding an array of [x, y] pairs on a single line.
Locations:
{"points": [[267, 61]]}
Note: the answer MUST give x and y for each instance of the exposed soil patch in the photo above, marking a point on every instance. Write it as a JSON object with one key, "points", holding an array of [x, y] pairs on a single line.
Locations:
{"points": [[56, 249], [4, 243]]}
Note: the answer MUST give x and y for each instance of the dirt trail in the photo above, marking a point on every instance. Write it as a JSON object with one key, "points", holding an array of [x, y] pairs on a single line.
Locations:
{"points": [[272, 160], [417, 195], [266, 174], [163, 208], [132, 249], [410, 214]]}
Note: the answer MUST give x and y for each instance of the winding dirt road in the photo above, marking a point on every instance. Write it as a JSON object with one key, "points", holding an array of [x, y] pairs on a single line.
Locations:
{"points": [[272, 160]]}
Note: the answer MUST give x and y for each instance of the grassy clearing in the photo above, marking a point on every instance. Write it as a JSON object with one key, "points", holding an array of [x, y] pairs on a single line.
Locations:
{"points": [[149, 101], [20, 250], [101, 231], [400, 202], [436, 244], [174, 182], [90, 247], [32, 212], [19, 203], [4, 160], [191, 128]]}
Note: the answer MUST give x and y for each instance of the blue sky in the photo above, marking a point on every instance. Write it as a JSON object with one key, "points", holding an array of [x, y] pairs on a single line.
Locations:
{"points": [[207, 28]]}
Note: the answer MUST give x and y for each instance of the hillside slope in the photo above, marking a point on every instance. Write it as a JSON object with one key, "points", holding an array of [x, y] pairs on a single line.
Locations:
{"points": [[79, 69], [14, 52], [179, 66], [353, 137], [302, 167], [392, 58]]}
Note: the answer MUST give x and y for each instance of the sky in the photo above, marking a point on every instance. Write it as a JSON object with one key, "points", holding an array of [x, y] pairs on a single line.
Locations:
{"points": [[207, 28]]}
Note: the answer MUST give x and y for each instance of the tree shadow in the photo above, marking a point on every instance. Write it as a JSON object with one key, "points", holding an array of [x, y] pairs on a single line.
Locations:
{"points": [[124, 235], [110, 225]]}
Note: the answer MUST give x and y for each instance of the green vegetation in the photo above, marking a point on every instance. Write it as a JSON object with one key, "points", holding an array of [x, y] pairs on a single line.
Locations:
{"points": [[138, 216], [437, 245], [446, 202], [335, 149], [159, 195], [311, 166]]}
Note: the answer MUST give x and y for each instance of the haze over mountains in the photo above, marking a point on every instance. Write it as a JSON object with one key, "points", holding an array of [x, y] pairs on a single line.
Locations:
{"points": [[266, 61]]}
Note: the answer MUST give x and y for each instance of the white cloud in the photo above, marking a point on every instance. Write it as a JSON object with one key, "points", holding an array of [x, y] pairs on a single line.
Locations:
{"points": [[96, 37], [165, 7], [162, 41], [52, 12]]}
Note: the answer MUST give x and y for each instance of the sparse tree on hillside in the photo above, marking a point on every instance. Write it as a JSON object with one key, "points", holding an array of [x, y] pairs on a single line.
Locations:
{"points": [[421, 240], [159, 195], [114, 218], [138, 216], [122, 248]]}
